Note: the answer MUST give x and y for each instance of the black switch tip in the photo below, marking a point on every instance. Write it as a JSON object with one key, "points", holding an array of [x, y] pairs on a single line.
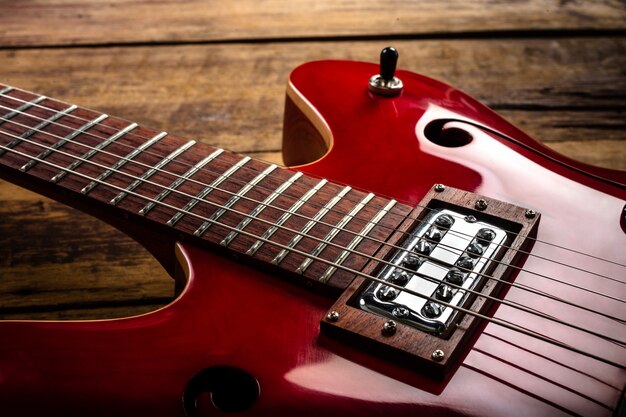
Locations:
{"points": [[388, 62]]}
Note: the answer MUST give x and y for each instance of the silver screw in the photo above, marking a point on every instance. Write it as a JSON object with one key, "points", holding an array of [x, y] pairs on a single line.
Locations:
{"points": [[389, 327], [332, 316], [530, 214], [438, 355], [481, 204], [439, 187]]}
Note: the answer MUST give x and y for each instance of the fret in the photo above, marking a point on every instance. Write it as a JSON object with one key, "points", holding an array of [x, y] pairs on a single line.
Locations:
{"points": [[8, 116], [356, 240], [286, 215], [259, 209], [44, 154], [6, 90], [204, 226], [309, 225], [178, 181], [93, 151], [38, 128], [20, 109], [333, 232], [173, 155], [207, 190], [120, 163]]}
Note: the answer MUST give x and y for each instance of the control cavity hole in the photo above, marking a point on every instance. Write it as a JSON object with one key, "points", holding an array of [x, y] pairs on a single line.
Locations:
{"points": [[225, 388]]}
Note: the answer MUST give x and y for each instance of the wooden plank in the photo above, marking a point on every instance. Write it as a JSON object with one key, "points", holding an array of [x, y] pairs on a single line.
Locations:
{"points": [[64, 22], [48, 248], [232, 95]]}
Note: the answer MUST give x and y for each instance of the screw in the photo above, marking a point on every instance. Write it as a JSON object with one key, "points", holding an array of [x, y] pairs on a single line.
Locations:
{"points": [[439, 187], [389, 328], [332, 316], [530, 214], [438, 355], [481, 204]]}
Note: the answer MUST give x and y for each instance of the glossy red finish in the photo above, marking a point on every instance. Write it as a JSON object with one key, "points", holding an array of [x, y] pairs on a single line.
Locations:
{"points": [[230, 314]]}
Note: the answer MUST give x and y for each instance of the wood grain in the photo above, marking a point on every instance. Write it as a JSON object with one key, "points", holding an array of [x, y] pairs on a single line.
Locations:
{"points": [[47, 248], [70, 22]]}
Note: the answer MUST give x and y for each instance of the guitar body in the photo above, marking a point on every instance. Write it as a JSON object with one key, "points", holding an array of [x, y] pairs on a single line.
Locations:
{"points": [[232, 315]]}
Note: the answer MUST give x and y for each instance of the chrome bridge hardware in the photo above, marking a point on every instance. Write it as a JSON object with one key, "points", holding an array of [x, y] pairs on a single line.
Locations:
{"points": [[437, 276], [444, 257]]}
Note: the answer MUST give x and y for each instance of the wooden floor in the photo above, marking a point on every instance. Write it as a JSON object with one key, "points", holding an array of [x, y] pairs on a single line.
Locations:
{"points": [[216, 71]]}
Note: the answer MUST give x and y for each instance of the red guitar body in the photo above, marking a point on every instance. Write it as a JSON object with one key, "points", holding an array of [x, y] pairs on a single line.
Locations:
{"points": [[232, 315]]}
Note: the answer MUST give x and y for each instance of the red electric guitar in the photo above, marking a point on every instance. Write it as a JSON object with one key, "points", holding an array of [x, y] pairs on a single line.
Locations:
{"points": [[424, 257]]}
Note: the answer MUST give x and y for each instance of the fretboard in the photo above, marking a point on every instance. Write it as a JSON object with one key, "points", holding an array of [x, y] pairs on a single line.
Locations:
{"points": [[310, 227]]}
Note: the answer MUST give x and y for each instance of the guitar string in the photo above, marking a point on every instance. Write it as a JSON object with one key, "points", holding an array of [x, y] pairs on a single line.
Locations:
{"points": [[287, 193], [369, 257], [473, 313], [382, 243], [505, 302], [521, 286], [357, 217], [310, 175]]}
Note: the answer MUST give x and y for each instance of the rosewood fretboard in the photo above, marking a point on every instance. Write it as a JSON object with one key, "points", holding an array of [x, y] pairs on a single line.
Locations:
{"points": [[195, 191]]}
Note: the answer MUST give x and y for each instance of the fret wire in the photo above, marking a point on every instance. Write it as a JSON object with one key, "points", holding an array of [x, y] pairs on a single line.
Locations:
{"points": [[19, 110], [375, 279], [122, 161], [232, 200], [30, 132], [333, 232], [94, 151], [46, 152], [285, 216], [174, 185], [8, 116], [207, 190], [259, 209], [524, 252], [309, 225], [520, 286], [6, 90], [356, 240], [42, 125], [169, 158]]}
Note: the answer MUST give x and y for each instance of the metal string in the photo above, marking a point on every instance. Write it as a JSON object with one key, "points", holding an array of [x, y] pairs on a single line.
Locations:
{"points": [[348, 199], [369, 257], [338, 266], [286, 194], [523, 287], [332, 243]]}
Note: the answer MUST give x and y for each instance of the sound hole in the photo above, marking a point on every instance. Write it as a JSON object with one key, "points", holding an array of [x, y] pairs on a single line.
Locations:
{"points": [[450, 137]]}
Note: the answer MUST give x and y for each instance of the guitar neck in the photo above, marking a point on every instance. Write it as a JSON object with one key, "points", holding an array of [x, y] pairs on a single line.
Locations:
{"points": [[309, 227]]}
